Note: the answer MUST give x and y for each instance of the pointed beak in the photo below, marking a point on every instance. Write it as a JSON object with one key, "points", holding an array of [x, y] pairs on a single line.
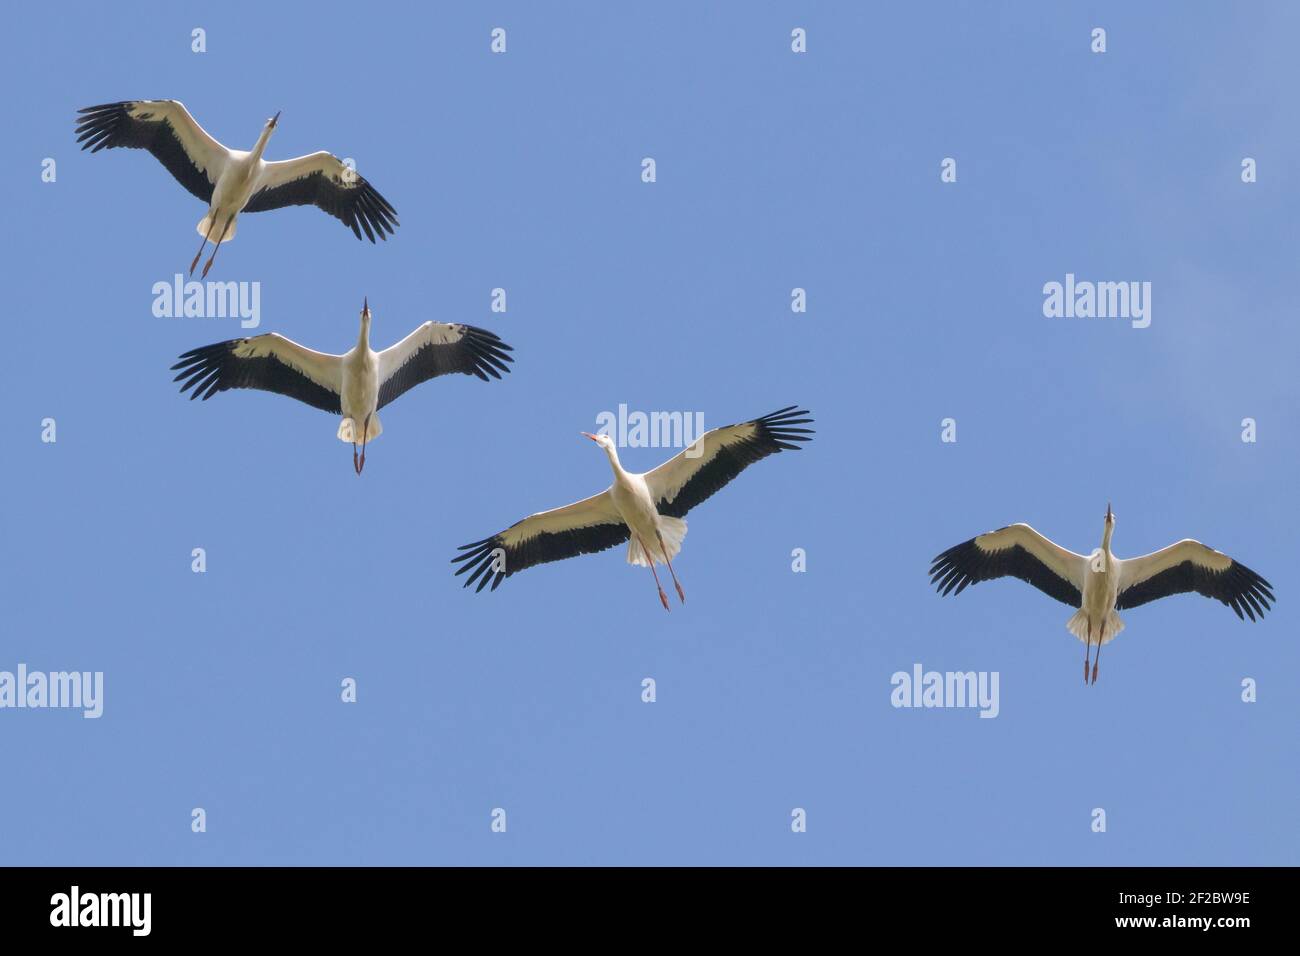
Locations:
{"points": [[589, 435], [365, 306], [1109, 516], [276, 118]]}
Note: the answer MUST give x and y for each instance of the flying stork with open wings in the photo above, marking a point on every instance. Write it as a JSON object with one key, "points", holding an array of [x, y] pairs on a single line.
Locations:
{"points": [[646, 510], [232, 181], [356, 384], [1101, 584]]}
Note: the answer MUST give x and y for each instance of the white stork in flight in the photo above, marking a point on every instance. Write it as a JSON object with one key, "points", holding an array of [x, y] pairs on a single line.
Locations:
{"points": [[232, 181], [355, 385], [647, 508], [1101, 584]]}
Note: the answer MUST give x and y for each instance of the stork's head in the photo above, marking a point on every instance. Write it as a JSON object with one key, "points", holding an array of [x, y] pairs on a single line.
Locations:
{"points": [[271, 123], [604, 441], [1110, 516], [363, 339], [606, 445]]}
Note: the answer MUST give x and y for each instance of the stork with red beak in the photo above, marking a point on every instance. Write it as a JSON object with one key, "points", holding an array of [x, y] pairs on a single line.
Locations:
{"points": [[355, 384], [1100, 584], [234, 181], [630, 494], [645, 510]]}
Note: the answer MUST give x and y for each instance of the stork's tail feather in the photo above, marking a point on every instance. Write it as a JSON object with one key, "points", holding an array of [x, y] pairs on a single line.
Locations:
{"points": [[673, 531], [350, 431], [206, 223], [1078, 625]]}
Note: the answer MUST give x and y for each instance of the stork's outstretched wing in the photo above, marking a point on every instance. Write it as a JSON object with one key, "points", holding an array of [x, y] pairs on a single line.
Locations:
{"points": [[269, 362], [437, 348], [325, 181], [1191, 566], [718, 456], [1017, 551], [166, 129], [583, 527]]}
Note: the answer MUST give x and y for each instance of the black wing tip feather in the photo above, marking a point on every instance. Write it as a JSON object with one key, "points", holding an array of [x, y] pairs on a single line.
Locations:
{"points": [[97, 125], [478, 557], [953, 568], [372, 212], [202, 368], [780, 427], [1247, 591], [488, 352]]}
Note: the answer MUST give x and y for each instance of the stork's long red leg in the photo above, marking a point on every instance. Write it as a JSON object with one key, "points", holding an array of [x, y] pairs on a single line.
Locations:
{"points": [[365, 433], [225, 229], [669, 561], [355, 466], [202, 244], [1098, 660], [663, 598], [1087, 654]]}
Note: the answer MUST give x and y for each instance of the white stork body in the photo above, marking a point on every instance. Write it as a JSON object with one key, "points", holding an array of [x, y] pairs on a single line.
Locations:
{"points": [[1100, 584], [240, 175], [630, 492], [1096, 619], [645, 510], [359, 391], [232, 181], [354, 385]]}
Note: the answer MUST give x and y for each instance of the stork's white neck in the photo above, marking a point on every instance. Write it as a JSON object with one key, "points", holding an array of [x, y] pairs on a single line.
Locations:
{"points": [[1105, 543], [363, 340], [612, 454], [260, 146]]}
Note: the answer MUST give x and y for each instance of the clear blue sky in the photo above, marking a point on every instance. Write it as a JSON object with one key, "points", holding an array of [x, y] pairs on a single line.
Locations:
{"points": [[775, 170]]}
